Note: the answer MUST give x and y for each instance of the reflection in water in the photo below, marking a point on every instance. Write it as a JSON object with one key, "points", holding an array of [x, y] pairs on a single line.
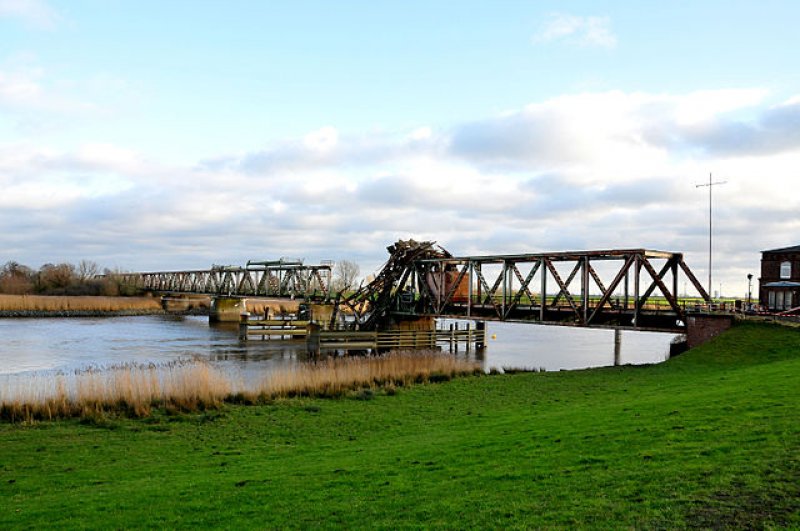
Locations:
{"points": [[67, 344]]}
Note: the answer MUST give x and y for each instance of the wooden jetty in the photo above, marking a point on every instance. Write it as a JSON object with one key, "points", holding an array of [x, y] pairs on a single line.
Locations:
{"points": [[454, 337]]}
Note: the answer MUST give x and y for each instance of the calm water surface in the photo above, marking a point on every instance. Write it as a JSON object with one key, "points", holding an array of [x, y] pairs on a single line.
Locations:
{"points": [[62, 345]]}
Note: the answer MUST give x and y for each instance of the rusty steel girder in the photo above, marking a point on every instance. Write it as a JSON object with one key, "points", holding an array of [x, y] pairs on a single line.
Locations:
{"points": [[279, 278], [553, 288]]}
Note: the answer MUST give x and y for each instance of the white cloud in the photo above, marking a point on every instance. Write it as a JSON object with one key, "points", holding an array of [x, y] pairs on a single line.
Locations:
{"points": [[35, 13], [586, 31], [704, 105], [593, 170], [25, 87], [322, 141], [18, 88]]}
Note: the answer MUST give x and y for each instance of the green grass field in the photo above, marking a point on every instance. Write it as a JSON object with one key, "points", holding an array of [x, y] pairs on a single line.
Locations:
{"points": [[708, 439]]}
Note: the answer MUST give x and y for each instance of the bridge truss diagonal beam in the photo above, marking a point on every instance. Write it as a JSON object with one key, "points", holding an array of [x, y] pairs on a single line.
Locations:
{"points": [[601, 288]]}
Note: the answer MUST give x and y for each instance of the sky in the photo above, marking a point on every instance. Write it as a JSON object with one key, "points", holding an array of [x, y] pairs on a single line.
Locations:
{"points": [[150, 135]]}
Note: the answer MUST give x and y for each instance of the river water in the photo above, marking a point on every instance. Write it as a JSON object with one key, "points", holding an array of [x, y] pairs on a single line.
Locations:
{"points": [[35, 346]]}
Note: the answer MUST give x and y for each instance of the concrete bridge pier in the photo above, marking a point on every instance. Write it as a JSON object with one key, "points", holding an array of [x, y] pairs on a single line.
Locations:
{"points": [[227, 309]]}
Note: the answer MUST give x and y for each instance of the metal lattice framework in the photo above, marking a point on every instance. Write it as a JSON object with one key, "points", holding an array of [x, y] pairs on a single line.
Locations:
{"points": [[627, 288], [279, 278], [372, 303]]}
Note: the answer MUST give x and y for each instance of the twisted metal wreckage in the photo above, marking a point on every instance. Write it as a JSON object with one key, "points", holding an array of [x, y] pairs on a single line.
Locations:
{"points": [[423, 279]]}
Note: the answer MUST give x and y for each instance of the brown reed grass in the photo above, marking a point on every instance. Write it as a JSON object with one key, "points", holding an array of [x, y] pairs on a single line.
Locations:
{"points": [[45, 303], [61, 303], [132, 390], [135, 390]]}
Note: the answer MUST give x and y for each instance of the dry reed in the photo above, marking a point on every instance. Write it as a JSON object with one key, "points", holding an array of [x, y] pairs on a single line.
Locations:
{"points": [[131, 389], [134, 390], [45, 303]]}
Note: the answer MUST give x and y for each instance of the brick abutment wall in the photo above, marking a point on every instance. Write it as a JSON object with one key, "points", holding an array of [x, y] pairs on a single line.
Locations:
{"points": [[701, 328]]}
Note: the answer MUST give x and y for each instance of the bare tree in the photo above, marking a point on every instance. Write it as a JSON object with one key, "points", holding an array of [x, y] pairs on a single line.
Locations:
{"points": [[16, 278], [87, 270], [345, 275]]}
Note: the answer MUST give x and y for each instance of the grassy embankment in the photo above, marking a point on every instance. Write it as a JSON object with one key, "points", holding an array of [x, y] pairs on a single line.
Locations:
{"points": [[708, 439]]}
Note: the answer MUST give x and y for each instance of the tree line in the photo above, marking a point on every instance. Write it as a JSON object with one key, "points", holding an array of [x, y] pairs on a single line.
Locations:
{"points": [[83, 278], [86, 278]]}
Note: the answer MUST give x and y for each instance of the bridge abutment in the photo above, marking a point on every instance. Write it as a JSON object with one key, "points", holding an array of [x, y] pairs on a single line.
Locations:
{"points": [[702, 327]]}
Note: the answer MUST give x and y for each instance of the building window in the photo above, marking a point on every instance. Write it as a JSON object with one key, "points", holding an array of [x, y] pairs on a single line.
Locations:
{"points": [[786, 270], [771, 302], [788, 300]]}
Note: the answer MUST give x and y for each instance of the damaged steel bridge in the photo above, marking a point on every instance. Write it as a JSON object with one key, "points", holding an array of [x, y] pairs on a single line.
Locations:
{"points": [[621, 288], [618, 288]]}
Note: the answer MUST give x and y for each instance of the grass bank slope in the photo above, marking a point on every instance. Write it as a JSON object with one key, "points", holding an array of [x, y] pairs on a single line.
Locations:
{"points": [[708, 439]]}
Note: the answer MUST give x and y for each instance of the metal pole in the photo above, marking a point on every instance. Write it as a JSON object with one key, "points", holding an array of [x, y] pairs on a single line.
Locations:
{"points": [[710, 232], [710, 185]]}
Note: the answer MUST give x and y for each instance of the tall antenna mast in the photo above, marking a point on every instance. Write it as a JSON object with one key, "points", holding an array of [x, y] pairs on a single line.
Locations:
{"points": [[710, 186]]}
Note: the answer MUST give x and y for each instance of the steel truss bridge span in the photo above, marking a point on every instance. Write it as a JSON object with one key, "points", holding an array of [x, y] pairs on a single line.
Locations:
{"points": [[625, 288], [279, 278]]}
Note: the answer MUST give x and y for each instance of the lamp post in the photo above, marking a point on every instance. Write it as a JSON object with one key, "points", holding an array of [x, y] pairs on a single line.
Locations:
{"points": [[749, 289]]}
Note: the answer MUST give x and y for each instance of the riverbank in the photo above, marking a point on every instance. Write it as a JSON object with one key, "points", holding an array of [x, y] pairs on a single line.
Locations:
{"points": [[84, 306], [47, 306], [707, 439]]}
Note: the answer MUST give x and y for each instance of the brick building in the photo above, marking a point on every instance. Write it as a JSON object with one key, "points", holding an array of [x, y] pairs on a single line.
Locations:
{"points": [[779, 285]]}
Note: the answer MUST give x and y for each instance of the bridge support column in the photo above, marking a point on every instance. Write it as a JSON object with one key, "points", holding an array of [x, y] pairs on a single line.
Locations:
{"points": [[480, 332], [321, 314], [227, 309]]}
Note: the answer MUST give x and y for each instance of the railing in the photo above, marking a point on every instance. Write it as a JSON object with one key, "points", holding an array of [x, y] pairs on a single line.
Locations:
{"points": [[345, 340], [272, 328], [318, 340]]}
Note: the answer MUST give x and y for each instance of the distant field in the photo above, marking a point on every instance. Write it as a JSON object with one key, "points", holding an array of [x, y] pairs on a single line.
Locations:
{"points": [[709, 439]]}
